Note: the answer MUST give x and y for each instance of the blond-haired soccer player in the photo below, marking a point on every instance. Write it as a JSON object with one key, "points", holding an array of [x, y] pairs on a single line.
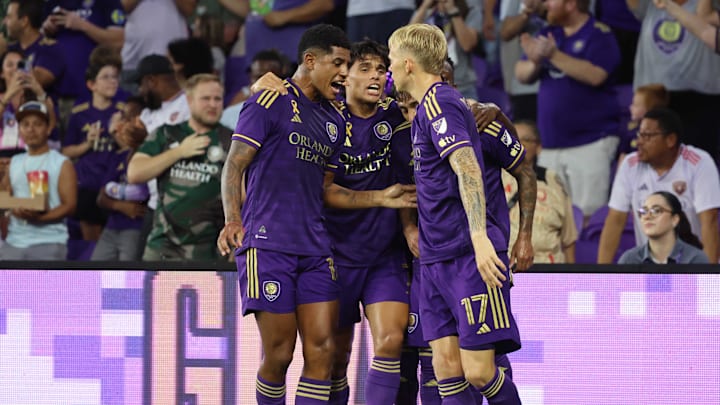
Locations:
{"points": [[465, 302]]}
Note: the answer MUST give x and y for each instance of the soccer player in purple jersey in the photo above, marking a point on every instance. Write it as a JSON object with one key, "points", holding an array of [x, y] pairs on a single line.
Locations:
{"points": [[467, 316], [289, 145], [368, 249]]}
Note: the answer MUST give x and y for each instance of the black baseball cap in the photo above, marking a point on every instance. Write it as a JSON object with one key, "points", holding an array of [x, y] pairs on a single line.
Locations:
{"points": [[152, 65], [32, 107]]}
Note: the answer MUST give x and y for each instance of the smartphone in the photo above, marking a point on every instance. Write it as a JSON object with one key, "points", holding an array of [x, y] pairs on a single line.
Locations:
{"points": [[23, 66]]}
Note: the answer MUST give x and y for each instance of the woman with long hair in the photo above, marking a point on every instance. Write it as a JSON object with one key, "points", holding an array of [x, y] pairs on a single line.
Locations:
{"points": [[670, 239]]}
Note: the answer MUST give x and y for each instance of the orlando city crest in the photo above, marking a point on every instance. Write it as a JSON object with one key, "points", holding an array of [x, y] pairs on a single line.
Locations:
{"points": [[412, 322], [271, 290], [332, 131], [383, 130]]}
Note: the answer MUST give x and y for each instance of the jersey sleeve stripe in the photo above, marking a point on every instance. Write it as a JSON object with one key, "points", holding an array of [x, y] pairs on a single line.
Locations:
{"points": [[491, 132], [402, 126], [246, 139], [452, 147], [517, 159], [270, 99]]}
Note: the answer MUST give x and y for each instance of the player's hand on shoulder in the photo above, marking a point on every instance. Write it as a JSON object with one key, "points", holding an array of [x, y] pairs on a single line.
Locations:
{"points": [[489, 265], [269, 81], [400, 196], [230, 238], [484, 113], [194, 145]]}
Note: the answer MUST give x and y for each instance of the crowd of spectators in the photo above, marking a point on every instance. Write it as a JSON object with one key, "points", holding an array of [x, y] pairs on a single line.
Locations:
{"points": [[139, 98]]}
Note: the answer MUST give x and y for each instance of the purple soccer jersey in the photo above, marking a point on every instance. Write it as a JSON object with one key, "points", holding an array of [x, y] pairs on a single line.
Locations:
{"points": [[443, 124], [363, 238], [297, 141], [92, 166], [44, 53], [118, 163], [501, 150], [571, 113], [76, 45]]}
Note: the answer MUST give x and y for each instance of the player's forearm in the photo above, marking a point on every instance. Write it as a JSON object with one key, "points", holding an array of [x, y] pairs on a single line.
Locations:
{"points": [[472, 192], [579, 69], [527, 195], [344, 198], [231, 183], [143, 168]]}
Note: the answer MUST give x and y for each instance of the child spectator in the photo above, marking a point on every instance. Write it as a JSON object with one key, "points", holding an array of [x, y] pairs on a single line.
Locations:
{"points": [[88, 142]]}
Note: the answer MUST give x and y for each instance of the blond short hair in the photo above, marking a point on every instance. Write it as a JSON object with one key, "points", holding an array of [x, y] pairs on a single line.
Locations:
{"points": [[199, 78], [425, 43]]}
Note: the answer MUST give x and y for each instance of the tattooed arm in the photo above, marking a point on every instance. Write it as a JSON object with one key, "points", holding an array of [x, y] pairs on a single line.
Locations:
{"points": [[522, 252], [231, 184], [472, 193]]}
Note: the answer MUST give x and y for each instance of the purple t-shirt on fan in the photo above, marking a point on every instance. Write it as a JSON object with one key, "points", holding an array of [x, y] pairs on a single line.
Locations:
{"points": [[285, 39], [442, 125], [118, 163], [92, 166], [571, 113], [298, 140], [367, 162], [76, 45]]}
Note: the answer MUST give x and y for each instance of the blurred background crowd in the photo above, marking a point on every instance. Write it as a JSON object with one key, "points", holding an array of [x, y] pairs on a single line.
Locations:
{"points": [[120, 112]]}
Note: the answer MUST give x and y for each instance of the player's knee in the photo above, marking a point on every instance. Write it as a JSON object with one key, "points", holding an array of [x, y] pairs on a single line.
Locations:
{"points": [[446, 366], [389, 344], [278, 360], [479, 374], [320, 349]]}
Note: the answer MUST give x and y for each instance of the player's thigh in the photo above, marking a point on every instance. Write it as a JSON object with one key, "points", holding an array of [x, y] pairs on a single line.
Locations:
{"points": [[482, 313], [317, 323], [435, 308], [414, 328], [267, 281]]}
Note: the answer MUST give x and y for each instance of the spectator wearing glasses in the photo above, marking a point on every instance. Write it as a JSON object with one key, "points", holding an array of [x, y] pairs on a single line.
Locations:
{"points": [[667, 228], [663, 163]]}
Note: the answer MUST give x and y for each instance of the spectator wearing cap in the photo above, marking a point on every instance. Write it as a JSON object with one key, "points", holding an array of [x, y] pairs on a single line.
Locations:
{"points": [[89, 143], [39, 235], [43, 56], [165, 104], [151, 25]]}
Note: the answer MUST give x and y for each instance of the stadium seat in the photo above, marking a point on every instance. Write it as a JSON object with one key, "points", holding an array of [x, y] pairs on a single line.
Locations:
{"points": [[590, 236]]}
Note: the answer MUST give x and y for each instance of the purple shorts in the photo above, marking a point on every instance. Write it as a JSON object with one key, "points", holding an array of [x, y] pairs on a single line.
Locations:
{"points": [[381, 283], [414, 329], [456, 301], [276, 282]]}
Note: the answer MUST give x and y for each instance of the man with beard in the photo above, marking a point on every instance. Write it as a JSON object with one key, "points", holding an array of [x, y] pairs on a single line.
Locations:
{"points": [[186, 159], [575, 58]]}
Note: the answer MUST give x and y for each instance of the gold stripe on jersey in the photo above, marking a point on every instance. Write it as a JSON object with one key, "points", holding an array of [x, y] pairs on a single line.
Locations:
{"points": [[253, 288], [402, 126], [453, 147], [80, 108], [517, 158], [289, 85], [495, 125], [247, 138], [432, 108], [267, 98], [493, 307]]}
